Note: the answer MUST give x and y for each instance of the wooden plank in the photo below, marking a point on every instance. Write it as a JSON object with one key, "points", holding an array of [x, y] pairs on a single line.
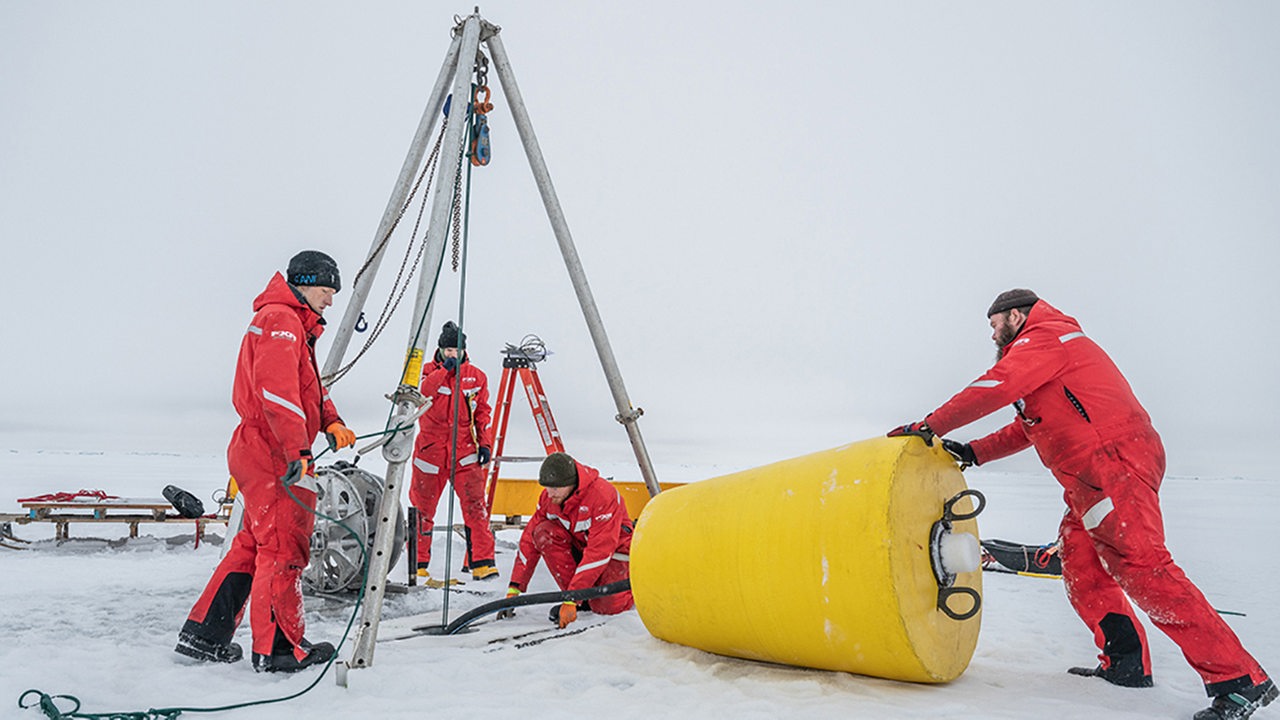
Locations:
{"points": [[105, 517], [62, 521]]}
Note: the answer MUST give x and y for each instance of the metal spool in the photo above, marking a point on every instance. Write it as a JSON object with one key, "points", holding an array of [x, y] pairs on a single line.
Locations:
{"points": [[351, 496]]}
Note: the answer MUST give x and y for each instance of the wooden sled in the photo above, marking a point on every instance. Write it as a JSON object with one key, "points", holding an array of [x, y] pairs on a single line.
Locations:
{"points": [[131, 511]]}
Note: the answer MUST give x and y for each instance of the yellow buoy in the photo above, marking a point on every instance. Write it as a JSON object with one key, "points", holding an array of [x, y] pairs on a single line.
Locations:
{"points": [[824, 561]]}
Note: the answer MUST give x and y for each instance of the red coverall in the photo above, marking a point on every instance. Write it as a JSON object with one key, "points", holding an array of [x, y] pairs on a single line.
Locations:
{"points": [[586, 542], [431, 460], [1086, 424], [282, 408]]}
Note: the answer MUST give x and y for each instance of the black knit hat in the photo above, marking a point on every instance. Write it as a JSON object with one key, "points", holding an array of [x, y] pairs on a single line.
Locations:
{"points": [[558, 470], [312, 267], [451, 338], [1010, 299]]}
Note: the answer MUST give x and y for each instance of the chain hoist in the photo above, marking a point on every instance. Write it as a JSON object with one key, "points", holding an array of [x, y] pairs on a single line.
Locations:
{"points": [[401, 283], [481, 107], [478, 109]]}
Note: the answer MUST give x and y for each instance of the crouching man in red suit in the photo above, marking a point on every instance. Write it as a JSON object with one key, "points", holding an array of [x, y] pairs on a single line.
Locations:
{"points": [[582, 531]]}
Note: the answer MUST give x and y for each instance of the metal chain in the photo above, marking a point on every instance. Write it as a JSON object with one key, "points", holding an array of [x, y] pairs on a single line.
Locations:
{"points": [[456, 217], [425, 174], [481, 69], [393, 299]]}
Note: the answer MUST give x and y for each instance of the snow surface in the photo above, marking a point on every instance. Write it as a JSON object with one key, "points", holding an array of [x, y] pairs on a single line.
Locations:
{"points": [[97, 620]]}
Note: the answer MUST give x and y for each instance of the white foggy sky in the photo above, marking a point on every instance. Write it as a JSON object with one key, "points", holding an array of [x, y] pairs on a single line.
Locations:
{"points": [[793, 215]]}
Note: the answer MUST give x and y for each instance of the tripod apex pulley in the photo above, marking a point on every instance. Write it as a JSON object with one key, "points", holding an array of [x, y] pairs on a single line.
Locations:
{"points": [[487, 29]]}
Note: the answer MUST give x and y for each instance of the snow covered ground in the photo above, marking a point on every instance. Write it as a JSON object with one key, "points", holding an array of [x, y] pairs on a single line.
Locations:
{"points": [[97, 620]]}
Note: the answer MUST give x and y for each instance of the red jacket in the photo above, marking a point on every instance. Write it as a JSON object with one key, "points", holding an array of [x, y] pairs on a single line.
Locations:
{"points": [[436, 429], [1071, 399], [277, 385], [596, 519]]}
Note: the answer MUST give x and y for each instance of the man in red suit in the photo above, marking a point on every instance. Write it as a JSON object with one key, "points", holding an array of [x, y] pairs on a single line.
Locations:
{"points": [[582, 530], [1077, 410], [282, 408], [454, 434]]}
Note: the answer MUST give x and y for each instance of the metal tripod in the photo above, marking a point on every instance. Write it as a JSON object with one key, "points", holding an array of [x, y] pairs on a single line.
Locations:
{"points": [[455, 79]]}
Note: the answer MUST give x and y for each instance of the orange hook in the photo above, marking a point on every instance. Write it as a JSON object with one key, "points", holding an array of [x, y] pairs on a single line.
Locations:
{"points": [[482, 106]]}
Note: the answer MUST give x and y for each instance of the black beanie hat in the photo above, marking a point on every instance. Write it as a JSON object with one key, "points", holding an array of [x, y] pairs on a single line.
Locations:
{"points": [[312, 267], [451, 338], [558, 470], [1010, 299]]}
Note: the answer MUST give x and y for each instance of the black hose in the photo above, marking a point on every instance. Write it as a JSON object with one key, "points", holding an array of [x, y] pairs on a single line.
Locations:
{"points": [[462, 621]]}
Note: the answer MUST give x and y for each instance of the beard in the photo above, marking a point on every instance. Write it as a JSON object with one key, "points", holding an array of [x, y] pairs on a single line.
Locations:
{"points": [[1003, 336]]}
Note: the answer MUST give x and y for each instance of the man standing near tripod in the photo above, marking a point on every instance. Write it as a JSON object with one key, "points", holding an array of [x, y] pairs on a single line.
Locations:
{"points": [[282, 408], [454, 435]]}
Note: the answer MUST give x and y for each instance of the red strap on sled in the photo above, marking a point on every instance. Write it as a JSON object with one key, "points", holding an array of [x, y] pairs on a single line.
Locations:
{"points": [[67, 496], [1045, 555]]}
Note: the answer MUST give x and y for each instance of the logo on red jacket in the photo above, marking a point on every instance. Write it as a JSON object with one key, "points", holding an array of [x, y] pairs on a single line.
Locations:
{"points": [[284, 335]]}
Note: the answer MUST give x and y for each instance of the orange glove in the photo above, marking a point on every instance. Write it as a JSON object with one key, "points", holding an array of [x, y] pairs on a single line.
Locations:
{"points": [[568, 613], [297, 469], [340, 436]]}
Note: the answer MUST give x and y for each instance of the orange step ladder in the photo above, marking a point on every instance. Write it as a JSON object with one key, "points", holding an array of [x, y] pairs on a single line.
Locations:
{"points": [[520, 364]]}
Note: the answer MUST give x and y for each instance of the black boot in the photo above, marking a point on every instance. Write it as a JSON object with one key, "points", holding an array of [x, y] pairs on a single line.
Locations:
{"points": [[1123, 649], [1124, 674], [1240, 704], [285, 662], [210, 639], [205, 650]]}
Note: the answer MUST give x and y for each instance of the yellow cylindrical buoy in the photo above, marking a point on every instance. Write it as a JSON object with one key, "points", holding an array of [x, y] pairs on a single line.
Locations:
{"points": [[824, 561]]}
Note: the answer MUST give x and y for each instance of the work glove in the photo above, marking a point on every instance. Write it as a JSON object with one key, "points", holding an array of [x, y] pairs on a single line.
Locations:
{"points": [[962, 452], [340, 436], [919, 429], [568, 613], [508, 613], [485, 455], [297, 469]]}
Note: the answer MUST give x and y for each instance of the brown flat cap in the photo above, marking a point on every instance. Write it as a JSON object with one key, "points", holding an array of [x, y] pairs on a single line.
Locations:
{"points": [[1010, 299]]}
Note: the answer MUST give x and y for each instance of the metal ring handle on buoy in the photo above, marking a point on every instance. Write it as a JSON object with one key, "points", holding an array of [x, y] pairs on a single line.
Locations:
{"points": [[981, 502], [944, 578], [944, 598]]}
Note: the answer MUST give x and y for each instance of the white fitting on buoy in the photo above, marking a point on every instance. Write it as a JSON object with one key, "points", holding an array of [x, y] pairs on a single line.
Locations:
{"points": [[960, 552]]}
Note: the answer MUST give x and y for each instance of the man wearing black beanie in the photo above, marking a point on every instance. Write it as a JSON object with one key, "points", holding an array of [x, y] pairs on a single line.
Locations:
{"points": [[454, 434], [1075, 407], [282, 408]]}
